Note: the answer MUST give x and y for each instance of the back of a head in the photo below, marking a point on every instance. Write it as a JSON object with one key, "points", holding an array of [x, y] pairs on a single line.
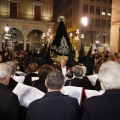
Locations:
{"points": [[43, 71], [77, 71], [55, 80], [109, 75], [32, 67], [5, 70], [13, 67]]}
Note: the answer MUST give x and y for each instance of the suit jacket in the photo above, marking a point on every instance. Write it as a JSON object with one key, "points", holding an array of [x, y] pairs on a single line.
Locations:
{"points": [[103, 107], [28, 78], [12, 83], [54, 106], [23, 110], [79, 82], [9, 104], [40, 84], [97, 85], [60, 69]]}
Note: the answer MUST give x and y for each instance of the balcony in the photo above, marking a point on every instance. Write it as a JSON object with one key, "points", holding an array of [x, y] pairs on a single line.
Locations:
{"points": [[26, 17]]}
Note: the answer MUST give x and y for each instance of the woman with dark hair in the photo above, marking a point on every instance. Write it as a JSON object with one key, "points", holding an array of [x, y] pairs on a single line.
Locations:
{"points": [[32, 71], [42, 73]]}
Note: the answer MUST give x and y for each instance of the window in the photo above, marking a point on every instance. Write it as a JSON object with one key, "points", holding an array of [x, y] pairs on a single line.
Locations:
{"points": [[70, 24], [91, 9], [66, 15], [98, 0], [63, 7], [97, 9], [70, 2], [15, 1], [109, 1], [71, 12], [97, 22], [109, 11], [104, 1], [37, 12], [13, 10], [103, 23], [103, 11], [91, 23], [85, 8], [108, 23], [66, 25]]}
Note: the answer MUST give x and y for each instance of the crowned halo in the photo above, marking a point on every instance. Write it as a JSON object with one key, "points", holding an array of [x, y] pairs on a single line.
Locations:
{"points": [[61, 18]]}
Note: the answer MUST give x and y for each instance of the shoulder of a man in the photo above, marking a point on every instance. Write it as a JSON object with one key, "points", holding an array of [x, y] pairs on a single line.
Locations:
{"points": [[90, 102], [46, 99]]}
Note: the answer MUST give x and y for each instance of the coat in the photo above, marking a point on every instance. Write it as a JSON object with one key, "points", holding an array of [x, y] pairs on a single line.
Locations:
{"points": [[54, 106], [79, 82], [40, 84], [23, 110], [28, 78], [9, 104], [103, 107]]}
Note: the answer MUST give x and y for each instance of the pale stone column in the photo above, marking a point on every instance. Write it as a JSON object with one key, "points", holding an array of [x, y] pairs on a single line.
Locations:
{"points": [[115, 26], [114, 38], [24, 43]]}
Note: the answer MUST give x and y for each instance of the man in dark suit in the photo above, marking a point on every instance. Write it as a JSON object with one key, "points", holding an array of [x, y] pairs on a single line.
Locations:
{"points": [[9, 104], [78, 80], [107, 105], [54, 105], [11, 85]]}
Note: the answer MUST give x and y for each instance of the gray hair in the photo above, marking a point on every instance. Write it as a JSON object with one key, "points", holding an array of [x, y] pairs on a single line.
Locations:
{"points": [[5, 70], [55, 80], [13, 66], [84, 70], [77, 71], [109, 75]]}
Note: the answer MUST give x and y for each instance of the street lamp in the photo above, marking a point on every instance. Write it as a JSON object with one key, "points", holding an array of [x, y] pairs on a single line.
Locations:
{"points": [[84, 21], [7, 28], [11, 34]]}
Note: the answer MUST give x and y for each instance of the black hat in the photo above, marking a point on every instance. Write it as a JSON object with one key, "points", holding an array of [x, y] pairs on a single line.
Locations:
{"points": [[61, 40], [80, 58], [71, 62], [43, 51], [47, 57]]}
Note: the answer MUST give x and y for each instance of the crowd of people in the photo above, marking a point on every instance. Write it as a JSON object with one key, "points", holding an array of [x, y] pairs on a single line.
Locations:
{"points": [[52, 76]]}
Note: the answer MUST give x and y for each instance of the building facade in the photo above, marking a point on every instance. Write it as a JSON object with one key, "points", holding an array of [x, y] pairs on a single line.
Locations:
{"points": [[115, 27], [96, 32], [30, 18]]}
